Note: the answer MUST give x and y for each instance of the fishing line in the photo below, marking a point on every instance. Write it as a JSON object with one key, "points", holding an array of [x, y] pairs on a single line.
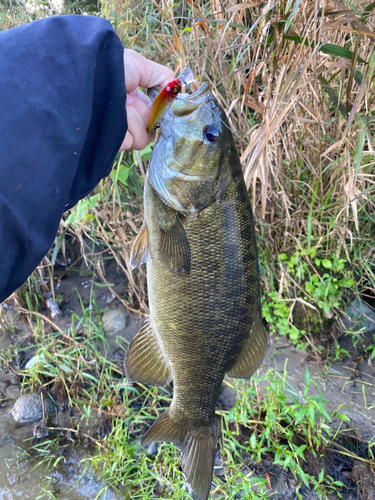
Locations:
{"points": [[339, 224]]}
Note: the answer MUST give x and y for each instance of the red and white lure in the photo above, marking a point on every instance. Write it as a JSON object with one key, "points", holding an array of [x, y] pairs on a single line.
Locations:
{"points": [[163, 101]]}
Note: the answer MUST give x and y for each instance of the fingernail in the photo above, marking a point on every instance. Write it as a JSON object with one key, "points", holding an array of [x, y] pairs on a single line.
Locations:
{"points": [[129, 99]]}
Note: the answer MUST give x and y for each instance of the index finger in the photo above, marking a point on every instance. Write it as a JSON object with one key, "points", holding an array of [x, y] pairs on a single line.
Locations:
{"points": [[141, 72]]}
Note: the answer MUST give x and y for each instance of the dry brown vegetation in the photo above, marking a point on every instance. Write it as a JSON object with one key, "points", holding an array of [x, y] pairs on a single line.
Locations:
{"points": [[297, 82]]}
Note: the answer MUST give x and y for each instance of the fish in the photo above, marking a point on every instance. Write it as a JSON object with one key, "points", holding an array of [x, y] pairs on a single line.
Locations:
{"points": [[198, 240]]}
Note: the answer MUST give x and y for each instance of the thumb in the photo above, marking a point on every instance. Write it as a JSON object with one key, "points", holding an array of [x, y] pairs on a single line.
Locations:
{"points": [[141, 72]]}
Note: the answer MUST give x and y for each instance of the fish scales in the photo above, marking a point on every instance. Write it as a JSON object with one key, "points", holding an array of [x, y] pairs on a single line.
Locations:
{"points": [[204, 318], [198, 240]]}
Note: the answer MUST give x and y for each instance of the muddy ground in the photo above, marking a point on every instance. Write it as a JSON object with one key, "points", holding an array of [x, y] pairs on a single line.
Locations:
{"points": [[350, 383]]}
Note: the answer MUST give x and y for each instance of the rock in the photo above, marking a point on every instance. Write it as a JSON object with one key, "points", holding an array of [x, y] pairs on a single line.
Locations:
{"points": [[227, 397], [35, 360], [115, 321], [29, 408], [12, 478], [360, 316], [153, 449], [110, 298], [12, 392]]}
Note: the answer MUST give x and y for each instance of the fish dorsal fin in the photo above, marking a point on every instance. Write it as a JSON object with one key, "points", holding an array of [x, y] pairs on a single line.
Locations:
{"points": [[252, 352], [139, 252], [173, 245], [144, 360]]}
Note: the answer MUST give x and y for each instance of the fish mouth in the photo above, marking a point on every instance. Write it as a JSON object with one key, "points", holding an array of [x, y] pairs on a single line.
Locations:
{"points": [[185, 104], [182, 106], [162, 102]]}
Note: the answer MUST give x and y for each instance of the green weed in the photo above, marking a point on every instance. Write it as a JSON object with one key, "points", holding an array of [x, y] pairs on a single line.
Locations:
{"points": [[371, 349], [319, 284], [279, 421]]}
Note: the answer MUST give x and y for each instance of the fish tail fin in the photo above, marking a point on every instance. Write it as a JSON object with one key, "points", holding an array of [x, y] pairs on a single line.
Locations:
{"points": [[198, 446], [197, 461]]}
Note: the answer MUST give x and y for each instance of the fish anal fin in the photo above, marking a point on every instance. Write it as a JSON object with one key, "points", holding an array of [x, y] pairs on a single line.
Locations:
{"points": [[173, 245], [252, 352], [139, 252], [198, 445], [165, 429], [144, 361]]}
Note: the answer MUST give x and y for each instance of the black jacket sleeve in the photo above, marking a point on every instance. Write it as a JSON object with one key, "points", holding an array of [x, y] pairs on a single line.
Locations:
{"points": [[62, 121]]}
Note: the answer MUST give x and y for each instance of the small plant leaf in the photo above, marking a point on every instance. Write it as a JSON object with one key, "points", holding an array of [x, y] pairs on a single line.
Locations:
{"points": [[333, 96], [370, 8], [328, 48], [343, 417], [307, 377], [123, 174], [58, 244], [327, 263], [321, 475], [253, 441]]}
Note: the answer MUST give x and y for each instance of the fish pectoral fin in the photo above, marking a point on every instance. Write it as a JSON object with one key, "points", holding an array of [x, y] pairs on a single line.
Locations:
{"points": [[144, 361], [252, 352], [198, 446], [139, 252], [173, 245]]}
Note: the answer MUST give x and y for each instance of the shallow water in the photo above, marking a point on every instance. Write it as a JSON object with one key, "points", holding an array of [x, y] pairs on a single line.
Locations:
{"points": [[19, 479]]}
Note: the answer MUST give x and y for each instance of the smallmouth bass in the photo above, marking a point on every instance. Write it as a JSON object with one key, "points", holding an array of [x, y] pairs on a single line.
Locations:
{"points": [[198, 240]]}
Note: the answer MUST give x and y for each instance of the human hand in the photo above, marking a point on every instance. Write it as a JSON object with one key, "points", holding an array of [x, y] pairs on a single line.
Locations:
{"points": [[140, 72]]}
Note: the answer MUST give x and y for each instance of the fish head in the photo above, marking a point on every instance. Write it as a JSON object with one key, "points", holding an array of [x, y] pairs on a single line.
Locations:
{"points": [[188, 167]]}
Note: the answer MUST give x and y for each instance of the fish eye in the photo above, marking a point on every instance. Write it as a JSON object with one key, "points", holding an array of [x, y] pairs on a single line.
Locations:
{"points": [[211, 133]]}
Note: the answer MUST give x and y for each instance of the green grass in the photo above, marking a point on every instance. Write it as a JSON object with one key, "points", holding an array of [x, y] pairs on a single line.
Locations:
{"points": [[270, 421]]}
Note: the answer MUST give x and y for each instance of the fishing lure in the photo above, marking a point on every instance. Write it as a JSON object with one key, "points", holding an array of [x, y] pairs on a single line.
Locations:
{"points": [[164, 99]]}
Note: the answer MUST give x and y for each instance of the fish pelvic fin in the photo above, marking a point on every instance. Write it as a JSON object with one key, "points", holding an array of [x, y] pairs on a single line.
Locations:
{"points": [[173, 245], [252, 353], [139, 252], [144, 360], [198, 446]]}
